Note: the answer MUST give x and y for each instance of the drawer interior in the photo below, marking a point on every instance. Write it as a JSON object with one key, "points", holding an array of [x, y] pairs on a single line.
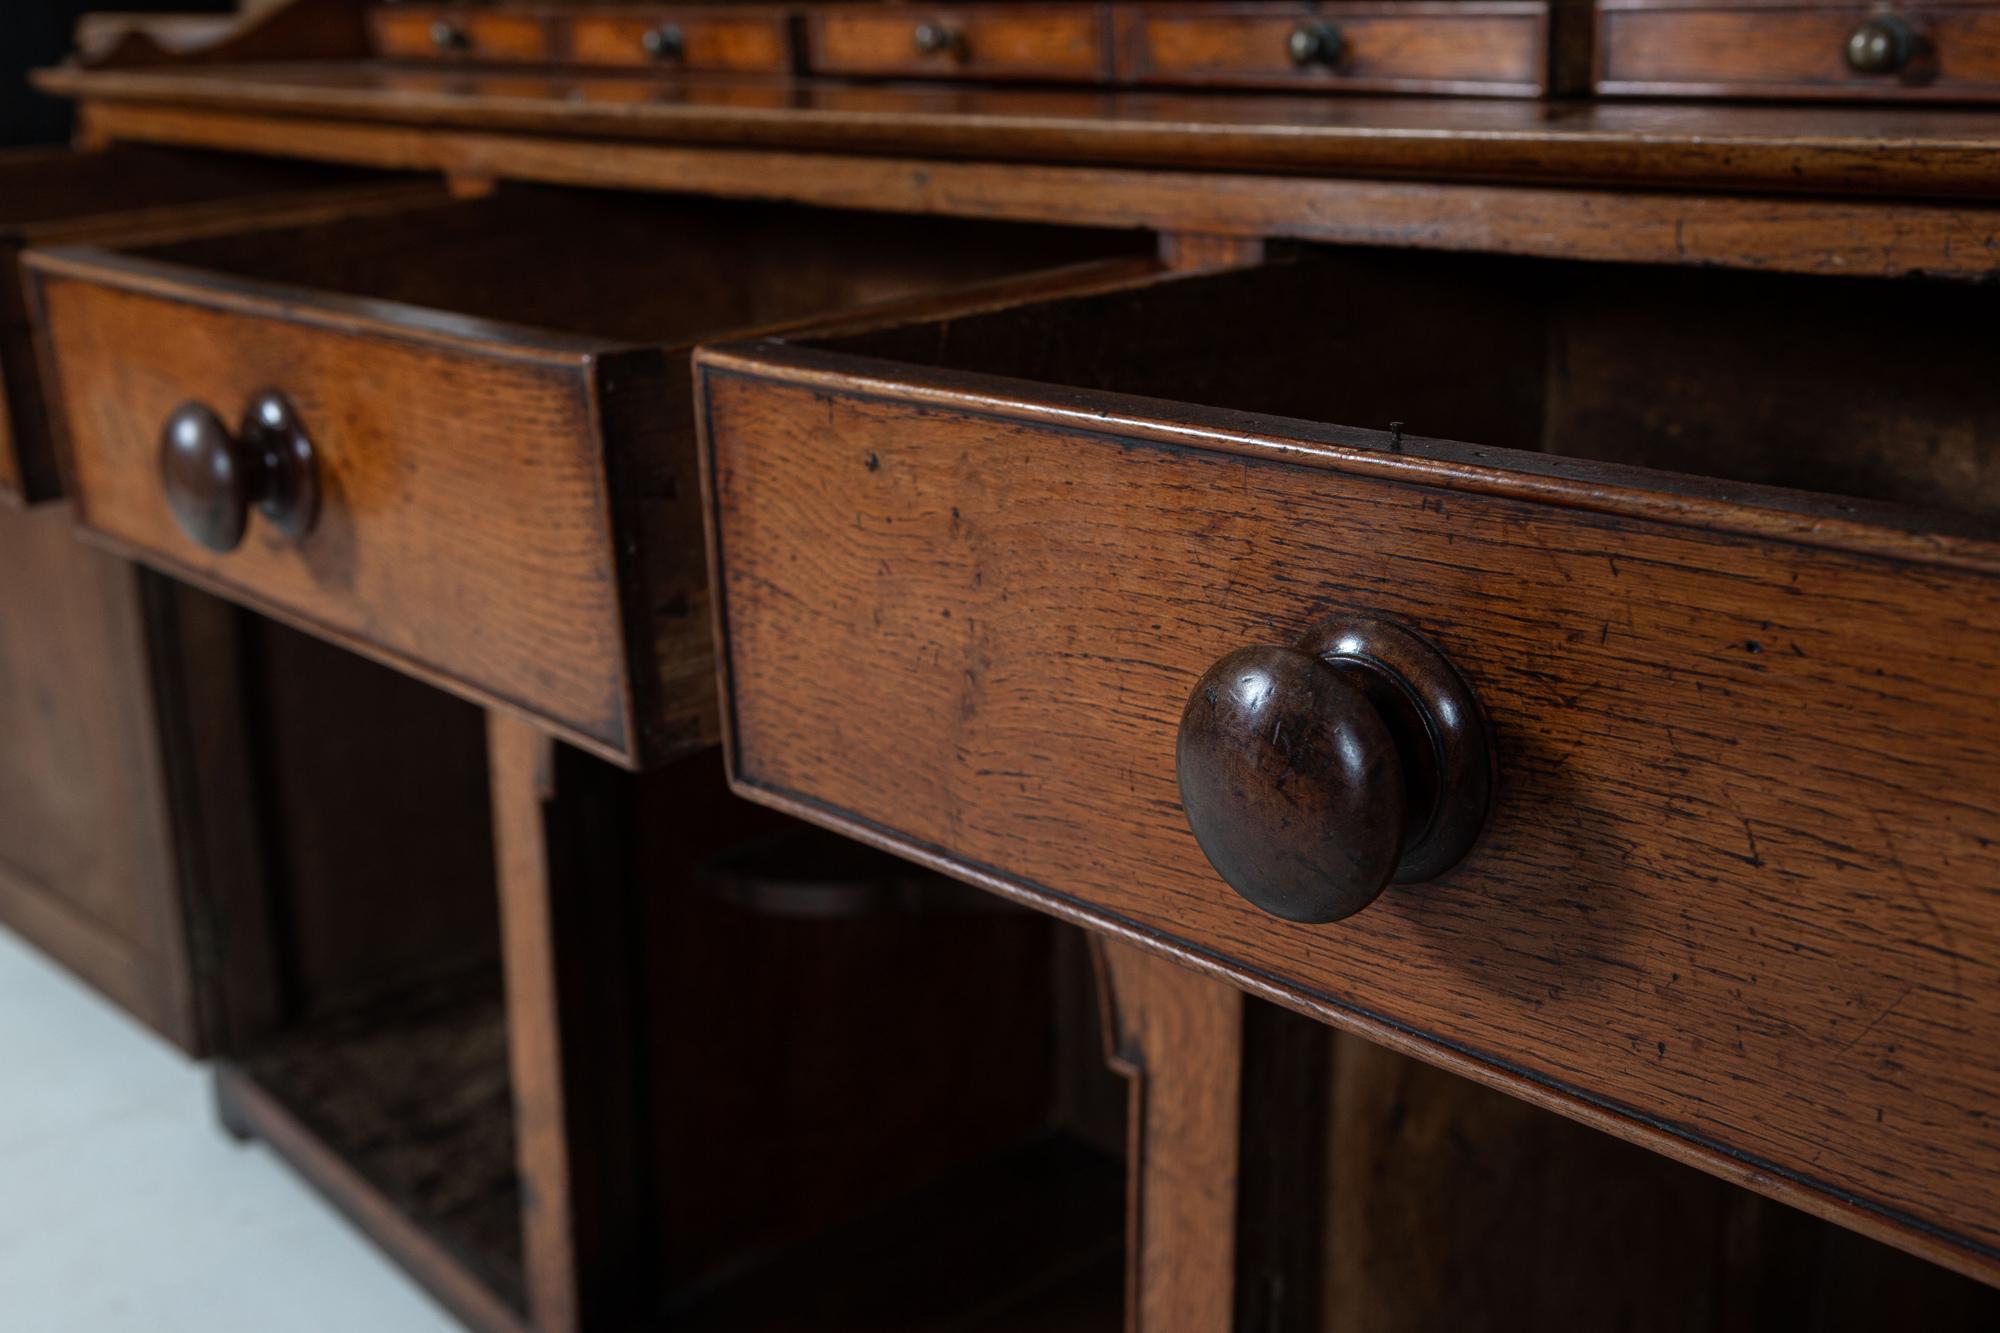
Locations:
{"points": [[639, 269], [1877, 390]]}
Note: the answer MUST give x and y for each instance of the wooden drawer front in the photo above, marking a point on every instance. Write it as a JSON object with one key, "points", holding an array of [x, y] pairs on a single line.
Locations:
{"points": [[1928, 51], [724, 41], [457, 32], [1406, 47], [1054, 42], [496, 393], [51, 196], [463, 532], [1735, 895]]}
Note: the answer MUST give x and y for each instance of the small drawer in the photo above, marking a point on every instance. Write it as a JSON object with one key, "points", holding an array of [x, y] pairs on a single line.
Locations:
{"points": [[458, 437], [1053, 43], [1417, 46], [716, 40], [52, 196], [1656, 48], [1681, 794], [463, 32]]}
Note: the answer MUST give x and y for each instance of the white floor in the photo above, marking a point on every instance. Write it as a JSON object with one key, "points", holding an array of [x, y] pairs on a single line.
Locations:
{"points": [[123, 1206]]}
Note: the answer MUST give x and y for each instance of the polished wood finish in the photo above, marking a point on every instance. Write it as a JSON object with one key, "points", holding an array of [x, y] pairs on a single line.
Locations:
{"points": [[558, 574], [88, 870], [55, 196], [739, 39], [1494, 47], [1777, 48], [1908, 153], [212, 477], [1313, 775], [1057, 43], [462, 32], [1065, 562], [1829, 237]]}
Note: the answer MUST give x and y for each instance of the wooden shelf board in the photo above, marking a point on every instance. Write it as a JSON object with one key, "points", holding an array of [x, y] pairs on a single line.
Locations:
{"points": [[1872, 150], [401, 1116]]}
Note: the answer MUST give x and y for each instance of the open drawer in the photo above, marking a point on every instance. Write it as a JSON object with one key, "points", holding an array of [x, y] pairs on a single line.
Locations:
{"points": [[505, 508], [1695, 781], [52, 196]]}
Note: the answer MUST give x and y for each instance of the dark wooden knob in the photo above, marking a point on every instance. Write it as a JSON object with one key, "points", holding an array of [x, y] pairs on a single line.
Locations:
{"points": [[1314, 776], [933, 39], [212, 478], [1884, 44], [1314, 44], [665, 42]]}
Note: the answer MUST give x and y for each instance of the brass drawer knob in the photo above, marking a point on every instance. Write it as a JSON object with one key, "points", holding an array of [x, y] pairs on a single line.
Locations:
{"points": [[1314, 776], [1884, 44], [212, 478], [448, 36], [1314, 44], [934, 39], [665, 42]]}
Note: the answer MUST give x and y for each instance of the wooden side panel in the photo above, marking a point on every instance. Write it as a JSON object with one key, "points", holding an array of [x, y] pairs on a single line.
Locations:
{"points": [[1735, 894], [562, 845], [1178, 1036], [87, 867], [464, 533]]}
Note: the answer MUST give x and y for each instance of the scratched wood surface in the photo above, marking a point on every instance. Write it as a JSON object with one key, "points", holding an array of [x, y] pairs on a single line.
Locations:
{"points": [[1735, 898]]}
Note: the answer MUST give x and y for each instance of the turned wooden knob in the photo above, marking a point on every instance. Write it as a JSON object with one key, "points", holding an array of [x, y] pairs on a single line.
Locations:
{"points": [[1314, 44], [665, 42], [1314, 776], [1883, 44], [212, 478], [931, 38]]}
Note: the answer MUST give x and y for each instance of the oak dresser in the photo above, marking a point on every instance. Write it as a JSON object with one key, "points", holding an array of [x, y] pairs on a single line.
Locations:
{"points": [[1429, 562]]}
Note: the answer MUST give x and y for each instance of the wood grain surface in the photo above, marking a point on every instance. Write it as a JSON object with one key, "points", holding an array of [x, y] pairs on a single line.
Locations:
{"points": [[509, 508], [736, 39], [1652, 49], [1499, 48], [88, 871], [1913, 152], [465, 531], [1068, 43], [53, 196], [1735, 898], [1177, 1037]]}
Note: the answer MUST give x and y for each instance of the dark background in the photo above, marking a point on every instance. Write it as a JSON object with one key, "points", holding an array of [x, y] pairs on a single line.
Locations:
{"points": [[34, 33]]}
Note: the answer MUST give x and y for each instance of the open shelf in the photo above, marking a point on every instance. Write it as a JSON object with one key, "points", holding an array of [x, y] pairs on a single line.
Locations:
{"points": [[401, 1113]]}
